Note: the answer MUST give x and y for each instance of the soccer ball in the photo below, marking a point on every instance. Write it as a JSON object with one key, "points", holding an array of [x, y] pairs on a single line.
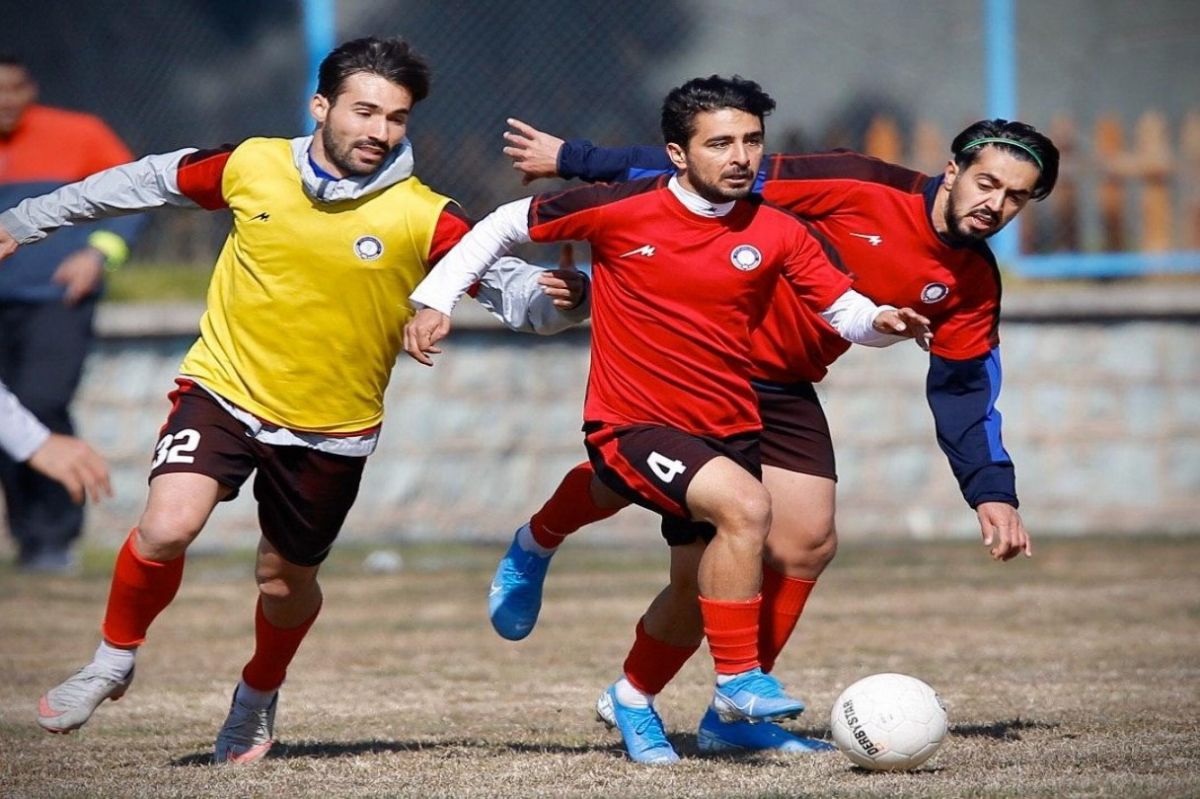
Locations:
{"points": [[888, 722]]}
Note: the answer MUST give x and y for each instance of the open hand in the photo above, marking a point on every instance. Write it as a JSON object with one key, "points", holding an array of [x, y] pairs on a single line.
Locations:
{"points": [[534, 154], [1002, 530], [905, 322], [73, 463]]}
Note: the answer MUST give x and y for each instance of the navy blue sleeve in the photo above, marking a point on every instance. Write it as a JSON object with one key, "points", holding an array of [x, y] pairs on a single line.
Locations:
{"points": [[579, 158], [962, 396]]}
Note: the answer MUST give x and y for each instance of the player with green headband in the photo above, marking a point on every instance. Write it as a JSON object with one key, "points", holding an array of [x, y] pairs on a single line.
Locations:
{"points": [[967, 213]]}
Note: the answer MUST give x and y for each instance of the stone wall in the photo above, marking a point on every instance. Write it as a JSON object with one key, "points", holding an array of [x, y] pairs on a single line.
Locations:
{"points": [[1101, 407]]}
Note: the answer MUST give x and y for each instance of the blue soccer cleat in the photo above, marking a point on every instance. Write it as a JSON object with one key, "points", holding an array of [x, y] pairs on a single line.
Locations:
{"points": [[515, 598], [715, 735], [641, 728], [754, 696]]}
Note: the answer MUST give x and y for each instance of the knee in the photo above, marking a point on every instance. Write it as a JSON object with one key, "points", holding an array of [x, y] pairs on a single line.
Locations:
{"points": [[283, 586], [827, 549], [802, 551], [164, 534], [748, 516]]}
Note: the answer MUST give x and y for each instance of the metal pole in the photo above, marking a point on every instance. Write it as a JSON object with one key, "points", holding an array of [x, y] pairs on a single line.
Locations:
{"points": [[320, 29], [1000, 78]]}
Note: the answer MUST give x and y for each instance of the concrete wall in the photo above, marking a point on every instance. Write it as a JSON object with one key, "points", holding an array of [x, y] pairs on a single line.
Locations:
{"points": [[1101, 407]]}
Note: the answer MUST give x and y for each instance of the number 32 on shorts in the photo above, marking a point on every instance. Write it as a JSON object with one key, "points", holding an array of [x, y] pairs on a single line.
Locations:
{"points": [[174, 448], [664, 468]]}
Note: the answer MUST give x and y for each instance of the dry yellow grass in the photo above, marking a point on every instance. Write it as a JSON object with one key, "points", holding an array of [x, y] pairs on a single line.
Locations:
{"points": [[1074, 674]]}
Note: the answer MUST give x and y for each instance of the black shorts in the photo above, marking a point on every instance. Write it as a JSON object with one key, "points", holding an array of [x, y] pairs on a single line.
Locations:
{"points": [[795, 432], [653, 466], [303, 495]]}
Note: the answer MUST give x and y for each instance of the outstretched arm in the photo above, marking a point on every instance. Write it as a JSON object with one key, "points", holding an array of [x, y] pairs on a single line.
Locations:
{"points": [[962, 395], [185, 178], [860, 321], [537, 154], [436, 295]]}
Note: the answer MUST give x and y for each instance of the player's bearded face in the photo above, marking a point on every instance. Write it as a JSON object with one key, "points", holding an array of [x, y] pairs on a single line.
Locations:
{"points": [[723, 154], [367, 120], [987, 195]]}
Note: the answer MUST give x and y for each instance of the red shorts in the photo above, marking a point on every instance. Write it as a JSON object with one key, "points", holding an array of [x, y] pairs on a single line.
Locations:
{"points": [[653, 466], [303, 494], [795, 432]]}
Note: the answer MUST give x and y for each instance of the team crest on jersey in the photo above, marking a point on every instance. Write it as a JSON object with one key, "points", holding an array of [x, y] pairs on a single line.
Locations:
{"points": [[746, 257], [934, 292], [368, 248]]}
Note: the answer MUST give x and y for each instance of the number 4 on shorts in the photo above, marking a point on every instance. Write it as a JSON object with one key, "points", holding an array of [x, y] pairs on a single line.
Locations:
{"points": [[664, 468]]}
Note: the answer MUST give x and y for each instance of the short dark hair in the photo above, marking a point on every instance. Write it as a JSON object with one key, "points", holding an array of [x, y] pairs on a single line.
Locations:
{"points": [[11, 60], [1019, 140], [713, 93], [392, 59]]}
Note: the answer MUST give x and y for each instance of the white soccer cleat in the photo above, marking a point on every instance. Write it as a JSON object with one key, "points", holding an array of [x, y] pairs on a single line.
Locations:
{"points": [[70, 704], [247, 734]]}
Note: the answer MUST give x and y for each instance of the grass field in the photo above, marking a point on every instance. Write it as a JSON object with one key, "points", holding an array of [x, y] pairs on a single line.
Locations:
{"points": [[1073, 674]]}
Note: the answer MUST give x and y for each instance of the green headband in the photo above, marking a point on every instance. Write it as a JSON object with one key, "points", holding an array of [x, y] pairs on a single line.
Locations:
{"points": [[1037, 159]]}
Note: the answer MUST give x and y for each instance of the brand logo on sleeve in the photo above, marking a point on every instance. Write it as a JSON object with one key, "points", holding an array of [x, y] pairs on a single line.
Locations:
{"points": [[934, 292], [368, 248], [645, 250], [871, 238], [746, 257]]}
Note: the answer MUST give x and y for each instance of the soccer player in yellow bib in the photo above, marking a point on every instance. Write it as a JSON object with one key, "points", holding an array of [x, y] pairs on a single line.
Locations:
{"points": [[305, 316]]}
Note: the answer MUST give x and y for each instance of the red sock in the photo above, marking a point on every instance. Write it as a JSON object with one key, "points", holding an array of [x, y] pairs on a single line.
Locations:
{"points": [[652, 663], [783, 602], [569, 508], [274, 648], [732, 630], [140, 590]]}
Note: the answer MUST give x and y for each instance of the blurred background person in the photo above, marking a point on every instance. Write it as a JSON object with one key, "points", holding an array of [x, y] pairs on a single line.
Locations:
{"points": [[48, 299]]}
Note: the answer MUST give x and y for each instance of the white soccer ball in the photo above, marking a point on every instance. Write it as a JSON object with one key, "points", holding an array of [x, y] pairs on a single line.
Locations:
{"points": [[889, 722]]}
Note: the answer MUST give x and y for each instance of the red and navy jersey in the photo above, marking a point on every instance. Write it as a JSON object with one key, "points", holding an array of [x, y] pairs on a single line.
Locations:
{"points": [[878, 217], [675, 296]]}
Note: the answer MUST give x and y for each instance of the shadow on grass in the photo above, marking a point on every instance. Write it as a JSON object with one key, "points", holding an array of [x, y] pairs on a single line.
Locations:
{"points": [[321, 749], [685, 744], [1000, 730]]}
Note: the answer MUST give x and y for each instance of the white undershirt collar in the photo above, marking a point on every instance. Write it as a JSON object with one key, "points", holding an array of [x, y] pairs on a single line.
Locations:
{"points": [[697, 204]]}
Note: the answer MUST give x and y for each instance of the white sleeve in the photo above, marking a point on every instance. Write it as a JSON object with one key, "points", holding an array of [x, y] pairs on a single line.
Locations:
{"points": [[21, 434], [150, 182], [510, 291], [464, 265], [853, 316]]}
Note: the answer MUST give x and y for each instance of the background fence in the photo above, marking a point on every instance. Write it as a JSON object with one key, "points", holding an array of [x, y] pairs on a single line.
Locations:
{"points": [[1102, 410], [1113, 82]]}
